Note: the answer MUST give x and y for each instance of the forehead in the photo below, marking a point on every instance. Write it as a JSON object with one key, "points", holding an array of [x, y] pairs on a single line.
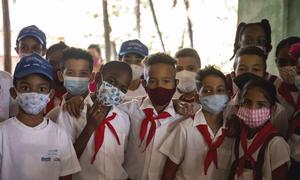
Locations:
{"points": [[254, 31], [249, 60], [186, 61], [161, 70], [33, 79], [77, 64], [213, 81], [255, 94], [283, 52], [123, 77]]}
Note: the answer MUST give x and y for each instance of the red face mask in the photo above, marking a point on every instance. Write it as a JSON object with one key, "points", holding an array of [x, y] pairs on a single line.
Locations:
{"points": [[160, 96]]}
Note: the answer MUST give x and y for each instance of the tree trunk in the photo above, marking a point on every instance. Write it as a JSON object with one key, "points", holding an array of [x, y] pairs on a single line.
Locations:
{"points": [[156, 24], [114, 50], [138, 17], [107, 30], [6, 36], [189, 22]]}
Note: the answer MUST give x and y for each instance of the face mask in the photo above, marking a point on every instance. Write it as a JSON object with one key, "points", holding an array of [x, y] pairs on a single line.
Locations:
{"points": [[187, 81], [160, 96], [76, 85], [32, 103], [297, 82], [109, 95], [288, 73], [254, 118], [242, 79], [137, 71], [214, 103]]}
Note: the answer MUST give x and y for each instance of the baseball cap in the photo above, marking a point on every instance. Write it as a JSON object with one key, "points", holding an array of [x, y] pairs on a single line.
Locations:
{"points": [[133, 46], [33, 64], [33, 31]]}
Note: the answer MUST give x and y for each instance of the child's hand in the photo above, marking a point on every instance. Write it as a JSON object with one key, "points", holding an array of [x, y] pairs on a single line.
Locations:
{"points": [[183, 108], [74, 106], [96, 114]]}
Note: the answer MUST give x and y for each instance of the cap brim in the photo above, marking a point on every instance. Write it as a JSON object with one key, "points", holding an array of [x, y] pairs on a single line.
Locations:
{"points": [[132, 51], [31, 35], [32, 71]]}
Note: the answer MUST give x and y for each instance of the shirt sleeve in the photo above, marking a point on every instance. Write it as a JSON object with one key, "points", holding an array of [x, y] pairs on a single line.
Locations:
{"points": [[279, 152], [69, 161], [174, 145]]}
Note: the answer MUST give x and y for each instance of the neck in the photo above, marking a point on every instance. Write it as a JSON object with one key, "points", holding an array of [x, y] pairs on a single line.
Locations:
{"points": [[30, 120], [134, 84], [159, 109], [213, 121], [251, 132]]}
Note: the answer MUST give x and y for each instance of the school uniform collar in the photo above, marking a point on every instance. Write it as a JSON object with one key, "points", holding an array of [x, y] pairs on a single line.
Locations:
{"points": [[146, 103]]}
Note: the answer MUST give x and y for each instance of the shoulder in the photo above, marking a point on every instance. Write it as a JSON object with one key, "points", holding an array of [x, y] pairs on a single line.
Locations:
{"points": [[53, 114], [5, 75], [6, 123]]}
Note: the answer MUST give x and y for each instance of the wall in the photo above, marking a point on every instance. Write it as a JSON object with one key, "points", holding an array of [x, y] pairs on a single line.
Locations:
{"points": [[282, 14]]}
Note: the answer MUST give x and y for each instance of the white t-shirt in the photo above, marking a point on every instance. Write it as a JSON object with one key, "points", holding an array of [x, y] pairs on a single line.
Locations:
{"points": [[138, 93], [140, 163], [187, 148], [110, 157], [8, 106], [276, 154], [42, 152]]}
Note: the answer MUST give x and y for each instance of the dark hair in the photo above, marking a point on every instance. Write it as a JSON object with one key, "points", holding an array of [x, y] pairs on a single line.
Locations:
{"points": [[264, 23], [209, 71], [117, 66], [76, 53], [266, 87], [286, 43], [159, 58], [251, 50], [188, 52], [95, 46], [56, 47]]}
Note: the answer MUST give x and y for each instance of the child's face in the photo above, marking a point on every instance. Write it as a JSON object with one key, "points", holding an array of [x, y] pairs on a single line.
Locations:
{"points": [[132, 58], [120, 80], [33, 83], [212, 85], [77, 68], [160, 75], [254, 99], [253, 35], [251, 64], [284, 58], [187, 63], [28, 45], [55, 59]]}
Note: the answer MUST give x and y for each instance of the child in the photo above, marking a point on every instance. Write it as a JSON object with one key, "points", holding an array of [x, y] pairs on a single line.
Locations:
{"points": [[188, 63], [100, 132], [33, 147], [152, 118], [54, 56], [250, 64], [94, 50], [133, 52], [31, 39], [198, 147], [259, 152]]}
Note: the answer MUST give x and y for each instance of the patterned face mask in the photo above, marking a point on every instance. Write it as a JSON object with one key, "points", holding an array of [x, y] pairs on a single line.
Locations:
{"points": [[254, 117], [32, 103], [109, 95]]}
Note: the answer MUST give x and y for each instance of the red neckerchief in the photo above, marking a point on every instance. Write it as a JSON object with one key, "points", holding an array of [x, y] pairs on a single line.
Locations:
{"points": [[211, 155], [150, 118], [285, 91], [256, 143], [99, 134]]}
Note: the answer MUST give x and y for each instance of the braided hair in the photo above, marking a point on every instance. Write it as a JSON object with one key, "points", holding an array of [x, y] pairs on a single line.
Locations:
{"points": [[264, 23]]}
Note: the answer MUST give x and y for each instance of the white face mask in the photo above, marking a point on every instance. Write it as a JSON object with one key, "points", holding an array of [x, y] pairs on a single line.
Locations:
{"points": [[32, 103], [137, 71], [187, 81]]}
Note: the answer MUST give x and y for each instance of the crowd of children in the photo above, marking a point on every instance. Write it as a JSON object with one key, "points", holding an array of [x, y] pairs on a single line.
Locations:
{"points": [[150, 116]]}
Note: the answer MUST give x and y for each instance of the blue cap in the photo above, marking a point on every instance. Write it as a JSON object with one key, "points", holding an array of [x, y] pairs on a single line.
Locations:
{"points": [[33, 64], [32, 31], [133, 46]]}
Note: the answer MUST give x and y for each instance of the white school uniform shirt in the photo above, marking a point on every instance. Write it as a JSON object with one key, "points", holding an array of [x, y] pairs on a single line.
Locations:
{"points": [[279, 118], [35, 153], [148, 164], [187, 148], [110, 157], [8, 106], [135, 94], [277, 153]]}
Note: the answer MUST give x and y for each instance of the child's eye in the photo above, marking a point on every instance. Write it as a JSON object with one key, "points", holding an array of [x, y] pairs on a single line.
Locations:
{"points": [[167, 81], [260, 105], [151, 81], [221, 91], [43, 89], [207, 91]]}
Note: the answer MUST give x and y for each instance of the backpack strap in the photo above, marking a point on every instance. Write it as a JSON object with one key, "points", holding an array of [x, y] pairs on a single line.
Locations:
{"points": [[233, 167], [261, 156]]}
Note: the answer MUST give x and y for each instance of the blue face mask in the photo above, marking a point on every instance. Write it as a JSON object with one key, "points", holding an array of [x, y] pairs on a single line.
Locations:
{"points": [[76, 85], [214, 103]]}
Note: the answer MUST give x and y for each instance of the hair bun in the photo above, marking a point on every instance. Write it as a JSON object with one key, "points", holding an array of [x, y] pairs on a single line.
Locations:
{"points": [[295, 50]]}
